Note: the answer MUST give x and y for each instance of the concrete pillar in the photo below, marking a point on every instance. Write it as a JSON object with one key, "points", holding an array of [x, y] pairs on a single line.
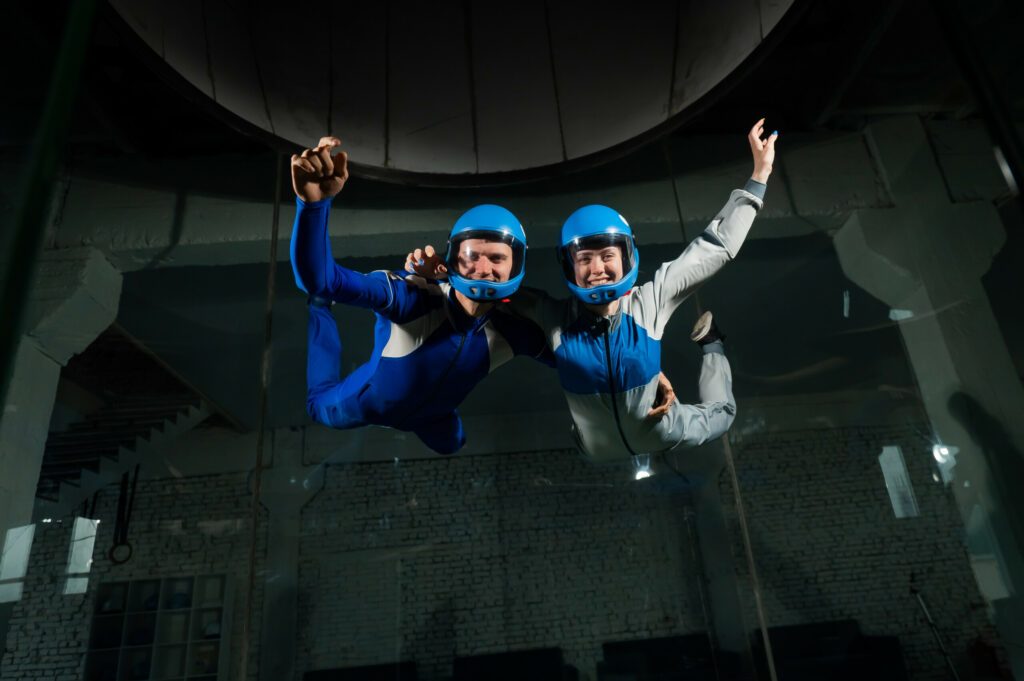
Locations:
{"points": [[718, 563], [285, 489], [925, 257], [75, 298], [726, 609]]}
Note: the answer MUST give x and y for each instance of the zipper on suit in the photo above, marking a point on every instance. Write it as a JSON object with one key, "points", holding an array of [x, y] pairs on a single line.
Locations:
{"points": [[611, 384]]}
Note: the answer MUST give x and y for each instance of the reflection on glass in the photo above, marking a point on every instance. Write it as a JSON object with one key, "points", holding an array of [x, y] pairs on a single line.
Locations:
{"points": [[83, 539], [14, 562], [897, 482]]}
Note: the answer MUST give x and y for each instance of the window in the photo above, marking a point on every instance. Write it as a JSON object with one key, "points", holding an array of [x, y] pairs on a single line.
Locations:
{"points": [[901, 493], [14, 562], [83, 539]]}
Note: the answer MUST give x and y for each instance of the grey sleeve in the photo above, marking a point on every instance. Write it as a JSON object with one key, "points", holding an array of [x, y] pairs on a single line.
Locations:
{"points": [[703, 257]]}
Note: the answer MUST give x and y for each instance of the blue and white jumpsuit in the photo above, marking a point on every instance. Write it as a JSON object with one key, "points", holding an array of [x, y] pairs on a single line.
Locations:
{"points": [[608, 366], [428, 354]]}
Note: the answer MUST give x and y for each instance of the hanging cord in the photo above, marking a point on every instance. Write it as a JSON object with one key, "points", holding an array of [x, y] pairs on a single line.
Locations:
{"points": [[257, 474], [121, 551], [698, 561], [731, 464], [916, 592]]}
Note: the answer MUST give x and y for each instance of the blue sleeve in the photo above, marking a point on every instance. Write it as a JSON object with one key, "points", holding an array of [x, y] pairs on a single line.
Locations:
{"points": [[317, 274]]}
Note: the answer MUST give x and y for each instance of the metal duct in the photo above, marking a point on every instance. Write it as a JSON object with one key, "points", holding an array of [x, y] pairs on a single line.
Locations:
{"points": [[456, 90]]}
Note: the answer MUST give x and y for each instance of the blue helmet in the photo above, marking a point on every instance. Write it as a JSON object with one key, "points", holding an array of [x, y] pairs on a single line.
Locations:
{"points": [[493, 224], [593, 228]]}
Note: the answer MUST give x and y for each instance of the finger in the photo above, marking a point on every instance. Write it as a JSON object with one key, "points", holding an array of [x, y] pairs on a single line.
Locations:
{"points": [[429, 251], [329, 141], [305, 165], [324, 154], [417, 256], [311, 157], [341, 165]]}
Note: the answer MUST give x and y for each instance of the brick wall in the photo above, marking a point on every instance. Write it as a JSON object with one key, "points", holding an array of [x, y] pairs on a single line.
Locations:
{"points": [[828, 546], [179, 527], [459, 556], [436, 558]]}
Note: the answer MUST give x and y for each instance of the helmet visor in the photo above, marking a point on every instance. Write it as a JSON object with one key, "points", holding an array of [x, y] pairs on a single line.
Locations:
{"points": [[598, 260], [486, 255]]}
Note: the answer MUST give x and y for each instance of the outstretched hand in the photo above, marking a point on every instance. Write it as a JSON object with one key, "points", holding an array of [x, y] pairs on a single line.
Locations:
{"points": [[663, 399], [426, 263], [763, 151], [316, 174]]}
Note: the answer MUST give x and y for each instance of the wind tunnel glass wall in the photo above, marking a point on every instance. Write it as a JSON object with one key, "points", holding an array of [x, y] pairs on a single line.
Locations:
{"points": [[862, 518], [872, 512]]}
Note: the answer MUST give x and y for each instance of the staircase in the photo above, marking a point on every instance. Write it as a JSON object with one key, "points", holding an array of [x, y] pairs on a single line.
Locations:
{"points": [[96, 452]]}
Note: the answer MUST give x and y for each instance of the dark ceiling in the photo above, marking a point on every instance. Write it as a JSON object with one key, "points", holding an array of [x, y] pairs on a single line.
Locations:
{"points": [[835, 66]]}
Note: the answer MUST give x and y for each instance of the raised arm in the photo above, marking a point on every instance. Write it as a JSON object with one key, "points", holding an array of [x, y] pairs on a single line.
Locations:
{"points": [[720, 242], [317, 177]]}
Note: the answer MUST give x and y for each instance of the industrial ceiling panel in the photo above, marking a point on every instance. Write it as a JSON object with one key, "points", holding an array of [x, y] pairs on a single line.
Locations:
{"points": [[293, 51], [449, 90], [185, 45], [430, 113], [146, 18], [714, 38], [233, 64], [358, 102], [613, 71], [516, 109], [772, 12]]}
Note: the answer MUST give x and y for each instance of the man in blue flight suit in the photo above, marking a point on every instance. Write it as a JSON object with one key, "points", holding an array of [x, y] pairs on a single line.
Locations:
{"points": [[433, 342]]}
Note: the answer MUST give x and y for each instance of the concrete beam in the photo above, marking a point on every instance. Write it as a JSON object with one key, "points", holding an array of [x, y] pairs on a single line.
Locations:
{"points": [[818, 182], [75, 299], [926, 257]]}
